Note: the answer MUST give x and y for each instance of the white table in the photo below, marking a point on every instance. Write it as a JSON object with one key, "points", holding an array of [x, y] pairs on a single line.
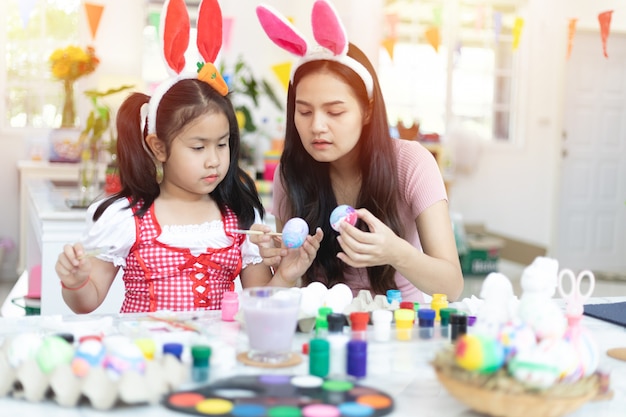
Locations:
{"points": [[50, 224], [401, 369]]}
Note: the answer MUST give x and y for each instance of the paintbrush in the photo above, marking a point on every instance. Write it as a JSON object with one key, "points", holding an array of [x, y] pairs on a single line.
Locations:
{"points": [[256, 232]]}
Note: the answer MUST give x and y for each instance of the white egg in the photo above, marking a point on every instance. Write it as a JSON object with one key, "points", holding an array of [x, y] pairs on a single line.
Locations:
{"points": [[338, 297]]}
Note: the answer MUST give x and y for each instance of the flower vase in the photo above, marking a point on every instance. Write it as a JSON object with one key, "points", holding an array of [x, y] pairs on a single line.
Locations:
{"points": [[88, 174], [64, 141]]}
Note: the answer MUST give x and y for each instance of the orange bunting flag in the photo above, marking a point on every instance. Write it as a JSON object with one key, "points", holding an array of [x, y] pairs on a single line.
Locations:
{"points": [[570, 36], [433, 36], [94, 13], [389, 45], [517, 32], [283, 73], [605, 27], [227, 30]]}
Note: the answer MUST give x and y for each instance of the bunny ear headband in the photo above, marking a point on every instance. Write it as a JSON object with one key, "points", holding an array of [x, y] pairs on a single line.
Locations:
{"points": [[328, 31], [175, 38]]}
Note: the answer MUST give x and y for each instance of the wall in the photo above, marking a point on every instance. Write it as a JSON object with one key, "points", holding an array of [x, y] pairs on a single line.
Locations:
{"points": [[513, 189]]}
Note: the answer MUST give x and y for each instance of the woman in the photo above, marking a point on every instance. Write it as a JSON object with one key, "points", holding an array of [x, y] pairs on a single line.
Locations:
{"points": [[338, 151]]}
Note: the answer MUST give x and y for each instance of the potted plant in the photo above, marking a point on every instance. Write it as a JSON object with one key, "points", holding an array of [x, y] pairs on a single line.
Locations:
{"points": [[92, 142]]}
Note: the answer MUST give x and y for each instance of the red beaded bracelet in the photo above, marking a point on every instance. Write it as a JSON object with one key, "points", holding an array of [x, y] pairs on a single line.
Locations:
{"points": [[75, 288]]}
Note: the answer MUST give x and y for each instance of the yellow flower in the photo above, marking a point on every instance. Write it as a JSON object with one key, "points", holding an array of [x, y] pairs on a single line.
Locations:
{"points": [[73, 62], [241, 119]]}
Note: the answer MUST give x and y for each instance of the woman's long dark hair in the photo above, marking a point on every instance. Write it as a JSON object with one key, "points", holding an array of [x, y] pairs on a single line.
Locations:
{"points": [[182, 103], [308, 186]]}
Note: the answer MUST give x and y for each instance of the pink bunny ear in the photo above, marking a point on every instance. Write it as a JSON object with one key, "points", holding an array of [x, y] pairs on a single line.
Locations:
{"points": [[328, 29], [175, 26], [209, 29], [281, 31]]}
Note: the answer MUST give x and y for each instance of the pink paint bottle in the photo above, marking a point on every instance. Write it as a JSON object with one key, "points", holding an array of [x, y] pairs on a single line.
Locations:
{"points": [[230, 305]]}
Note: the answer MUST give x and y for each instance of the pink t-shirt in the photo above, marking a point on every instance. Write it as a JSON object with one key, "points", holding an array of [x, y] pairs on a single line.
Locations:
{"points": [[421, 185]]}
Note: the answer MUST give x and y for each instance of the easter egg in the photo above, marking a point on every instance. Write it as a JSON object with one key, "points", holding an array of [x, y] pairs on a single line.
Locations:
{"points": [[295, 232], [52, 352], [89, 354], [342, 213], [479, 353]]}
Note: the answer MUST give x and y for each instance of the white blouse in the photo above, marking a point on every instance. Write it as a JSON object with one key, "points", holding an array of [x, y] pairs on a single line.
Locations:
{"points": [[115, 232]]}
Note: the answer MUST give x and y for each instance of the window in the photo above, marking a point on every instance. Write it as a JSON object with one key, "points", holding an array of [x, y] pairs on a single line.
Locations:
{"points": [[29, 37], [469, 80]]}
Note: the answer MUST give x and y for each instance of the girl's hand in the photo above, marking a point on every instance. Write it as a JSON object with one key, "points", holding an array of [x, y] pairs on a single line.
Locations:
{"points": [[72, 268], [269, 246], [363, 249], [296, 261]]}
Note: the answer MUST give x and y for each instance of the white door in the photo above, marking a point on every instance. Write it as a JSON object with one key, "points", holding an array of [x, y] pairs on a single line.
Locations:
{"points": [[591, 230]]}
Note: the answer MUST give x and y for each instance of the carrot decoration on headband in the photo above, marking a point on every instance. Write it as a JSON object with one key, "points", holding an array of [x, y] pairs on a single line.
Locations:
{"points": [[328, 31], [175, 36]]}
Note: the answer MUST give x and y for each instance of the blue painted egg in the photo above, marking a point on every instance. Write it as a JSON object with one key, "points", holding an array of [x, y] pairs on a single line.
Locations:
{"points": [[295, 232]]}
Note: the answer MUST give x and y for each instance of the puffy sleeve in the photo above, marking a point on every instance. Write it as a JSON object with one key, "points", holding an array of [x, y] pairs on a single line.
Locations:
{"points": [[249, 251], [114, 232]]}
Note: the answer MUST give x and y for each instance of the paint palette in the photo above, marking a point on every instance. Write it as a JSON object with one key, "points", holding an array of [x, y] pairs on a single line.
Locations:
{"points": [[281, 396]]}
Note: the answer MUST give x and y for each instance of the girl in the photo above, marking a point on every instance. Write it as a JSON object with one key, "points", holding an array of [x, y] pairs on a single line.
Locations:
{"points": [[337, 129], [175, 239]]}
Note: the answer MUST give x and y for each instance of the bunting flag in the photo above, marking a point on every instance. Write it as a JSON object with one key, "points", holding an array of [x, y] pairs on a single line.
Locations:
{"points": [[497, 26], [570, 36], [94, 13], [437, 13], [26, 10], [479, 22], [283, 73], [517, 32], [389, 45], [605, 27], [227, 30], [433, 36]]}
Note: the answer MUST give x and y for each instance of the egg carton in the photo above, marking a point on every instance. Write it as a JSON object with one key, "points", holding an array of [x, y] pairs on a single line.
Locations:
{"points": [[99, 387]]}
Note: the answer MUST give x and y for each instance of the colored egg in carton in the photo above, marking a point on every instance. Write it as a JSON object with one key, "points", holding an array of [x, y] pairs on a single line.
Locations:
{"points": [[104, 373]]}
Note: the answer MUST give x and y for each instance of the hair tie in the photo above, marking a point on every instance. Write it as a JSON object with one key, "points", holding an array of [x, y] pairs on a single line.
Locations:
{"points": [[328, 31], [175, 36]]}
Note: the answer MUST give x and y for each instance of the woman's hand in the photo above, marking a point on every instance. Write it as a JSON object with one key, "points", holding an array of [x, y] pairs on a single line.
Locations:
{"points": [[362, 249], [295, 263], [73, 267]]}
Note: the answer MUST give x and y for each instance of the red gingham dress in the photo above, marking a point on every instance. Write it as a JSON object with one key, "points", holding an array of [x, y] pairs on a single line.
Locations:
{"points": [[161, 277]]}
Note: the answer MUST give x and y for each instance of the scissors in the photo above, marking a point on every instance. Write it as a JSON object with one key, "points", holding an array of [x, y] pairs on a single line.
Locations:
{"points": [[574, 297]]}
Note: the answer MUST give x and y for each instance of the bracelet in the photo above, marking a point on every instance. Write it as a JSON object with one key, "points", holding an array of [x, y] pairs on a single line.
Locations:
{"points": [[65, 287]]}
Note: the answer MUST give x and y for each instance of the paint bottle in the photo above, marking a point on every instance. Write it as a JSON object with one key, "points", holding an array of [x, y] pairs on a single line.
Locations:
{"points": [[458, 325], [404, 323], [381, 319], [426, 320], [200, 357], [394, 295], [319, 357], [438, 302], [408, 305], [321, 323], [230, 305], [338, 341], [358, 324], [173, 348], [445, 313], [357, 358], [147, 347]]}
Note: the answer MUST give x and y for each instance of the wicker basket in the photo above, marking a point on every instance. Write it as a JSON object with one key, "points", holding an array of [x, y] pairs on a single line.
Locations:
{"points": [[501, 404]]}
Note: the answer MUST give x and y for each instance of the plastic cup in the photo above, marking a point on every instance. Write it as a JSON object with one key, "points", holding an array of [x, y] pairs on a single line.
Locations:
{"points": [[271, 318]]}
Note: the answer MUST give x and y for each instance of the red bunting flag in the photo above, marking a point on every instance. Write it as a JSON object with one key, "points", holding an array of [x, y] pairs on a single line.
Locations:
{"points": [[605, 27], [94, 13], [570, 36]]}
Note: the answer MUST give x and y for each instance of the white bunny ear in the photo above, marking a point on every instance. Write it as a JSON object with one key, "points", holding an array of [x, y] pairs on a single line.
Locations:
{"points": [[281, 31], [328, 30], [175, 34]]}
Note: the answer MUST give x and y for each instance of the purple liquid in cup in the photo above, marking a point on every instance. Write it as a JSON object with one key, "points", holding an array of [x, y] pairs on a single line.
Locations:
{"points": [[271, 317]]}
